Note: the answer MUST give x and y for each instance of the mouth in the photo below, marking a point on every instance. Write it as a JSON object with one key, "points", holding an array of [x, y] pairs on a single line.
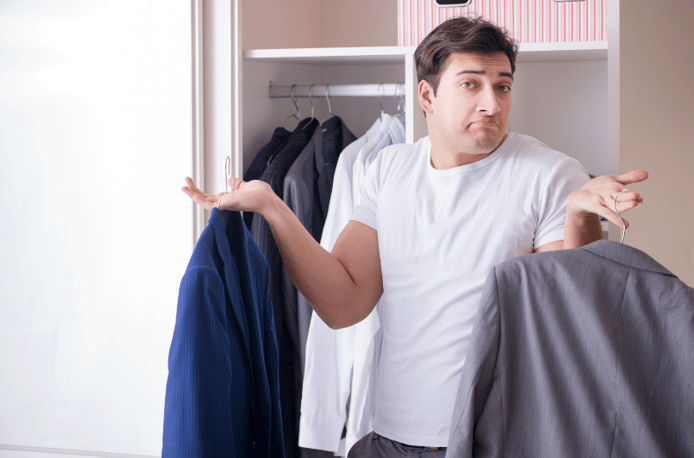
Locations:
{"points": [[488, 123]]}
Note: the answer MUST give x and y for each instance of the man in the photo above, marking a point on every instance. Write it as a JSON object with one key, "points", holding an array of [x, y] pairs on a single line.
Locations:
{"points": [[435, 217]]}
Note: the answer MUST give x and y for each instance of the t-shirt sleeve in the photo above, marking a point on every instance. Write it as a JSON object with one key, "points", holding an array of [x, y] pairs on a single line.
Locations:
{"points": [[567, 177], [365, 211]]}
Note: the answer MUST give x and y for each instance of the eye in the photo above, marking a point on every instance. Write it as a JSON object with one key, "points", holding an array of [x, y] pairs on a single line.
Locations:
{"points": [[467, 85], [505, 88]]}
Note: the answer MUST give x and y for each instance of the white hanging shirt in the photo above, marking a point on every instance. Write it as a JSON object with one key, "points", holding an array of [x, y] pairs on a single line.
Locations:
{"points": [[339, 362]]}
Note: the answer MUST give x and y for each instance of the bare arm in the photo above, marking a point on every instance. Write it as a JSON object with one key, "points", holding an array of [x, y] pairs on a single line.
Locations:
{"points": [[344, 286]]}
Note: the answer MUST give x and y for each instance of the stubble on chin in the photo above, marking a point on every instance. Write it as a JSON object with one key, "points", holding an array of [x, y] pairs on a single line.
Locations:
{"points": [[485, 144]]}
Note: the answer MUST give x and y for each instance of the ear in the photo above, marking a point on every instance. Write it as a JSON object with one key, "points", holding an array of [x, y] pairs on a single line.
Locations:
{"points": [[425, 95]]}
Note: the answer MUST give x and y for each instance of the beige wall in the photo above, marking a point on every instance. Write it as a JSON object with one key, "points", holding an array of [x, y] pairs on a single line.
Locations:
{"points": [[318, 23], [281, 24], [376, 21], [656, 123]]}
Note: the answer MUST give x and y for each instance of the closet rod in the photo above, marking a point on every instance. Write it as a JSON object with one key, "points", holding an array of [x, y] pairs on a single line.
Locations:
{"points": [[338, 90]]}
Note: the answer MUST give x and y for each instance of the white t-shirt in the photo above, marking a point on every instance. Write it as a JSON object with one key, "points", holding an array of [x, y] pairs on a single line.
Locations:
{"points": [[439, 234]]}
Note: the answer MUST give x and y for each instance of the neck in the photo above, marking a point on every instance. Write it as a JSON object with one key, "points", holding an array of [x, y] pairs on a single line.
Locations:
{"points": [[446, 157]]}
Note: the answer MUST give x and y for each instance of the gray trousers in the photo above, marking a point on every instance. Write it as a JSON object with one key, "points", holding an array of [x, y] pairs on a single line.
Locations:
{"points": [[374, 446]]}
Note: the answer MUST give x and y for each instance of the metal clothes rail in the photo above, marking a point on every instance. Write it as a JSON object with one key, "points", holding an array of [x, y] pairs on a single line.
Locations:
{"points": [[337, 90]]}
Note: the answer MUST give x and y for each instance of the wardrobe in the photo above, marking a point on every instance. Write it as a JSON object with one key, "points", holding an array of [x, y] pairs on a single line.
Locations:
{"points": [[592, 100], [614, 105]]}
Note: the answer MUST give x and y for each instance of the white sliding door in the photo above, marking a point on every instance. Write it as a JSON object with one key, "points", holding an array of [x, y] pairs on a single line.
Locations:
{"points": [[96, 136]]}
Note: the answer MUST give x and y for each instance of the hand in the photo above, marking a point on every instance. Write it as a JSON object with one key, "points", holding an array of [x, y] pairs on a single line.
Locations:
{"points": [[246, 196], [597, 196]]}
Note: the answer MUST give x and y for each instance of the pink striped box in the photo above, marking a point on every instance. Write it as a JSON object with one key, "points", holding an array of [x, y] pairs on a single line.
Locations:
{"points": [[528, 21]]}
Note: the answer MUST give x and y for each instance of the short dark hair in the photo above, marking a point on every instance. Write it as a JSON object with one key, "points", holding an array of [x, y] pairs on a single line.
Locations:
{"points": [[460, 34]]}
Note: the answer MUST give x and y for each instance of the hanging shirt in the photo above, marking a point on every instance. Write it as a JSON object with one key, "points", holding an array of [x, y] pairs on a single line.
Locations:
{"points": [[307, 189], [262, 159], [339, 362], [285, 318]]}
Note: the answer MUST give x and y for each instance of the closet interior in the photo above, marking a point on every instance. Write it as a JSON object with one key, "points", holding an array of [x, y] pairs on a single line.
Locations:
{"points": [[559, 96], [560, 93]]}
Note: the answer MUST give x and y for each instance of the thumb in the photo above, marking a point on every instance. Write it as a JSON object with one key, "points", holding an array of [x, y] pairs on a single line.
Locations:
{"points": [[235, 183]]}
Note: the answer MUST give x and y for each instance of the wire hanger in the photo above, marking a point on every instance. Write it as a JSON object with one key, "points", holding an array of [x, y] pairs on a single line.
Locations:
{"points": [[614, 205], [297, 113], [330, 110], [379, 100], [401, 103], [310, 100], [227, 174]]}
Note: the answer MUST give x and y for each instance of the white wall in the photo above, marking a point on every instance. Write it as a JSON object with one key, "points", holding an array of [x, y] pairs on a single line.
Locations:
{"points": [[95, 234]]}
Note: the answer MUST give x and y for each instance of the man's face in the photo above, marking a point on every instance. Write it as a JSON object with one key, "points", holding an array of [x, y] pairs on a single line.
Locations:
{"points": [[469, 113]]}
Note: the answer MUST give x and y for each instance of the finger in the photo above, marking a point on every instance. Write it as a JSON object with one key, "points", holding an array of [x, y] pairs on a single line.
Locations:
{"points": [[191, 185], [623, 206], [626, 201], [212, 199], [189, 192], [193, 193], [612, 217], [628, 205], [635, 176], [634, 197], [626, 195], [206, 204], [207, 201]]}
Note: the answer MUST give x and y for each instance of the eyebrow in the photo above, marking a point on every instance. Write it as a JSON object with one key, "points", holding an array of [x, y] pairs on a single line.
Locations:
{"points": [[481, 72]]}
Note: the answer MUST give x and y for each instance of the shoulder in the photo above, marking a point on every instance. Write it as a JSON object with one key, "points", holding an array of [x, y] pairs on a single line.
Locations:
{"points": [[531, 148], [537, 156], [404, 153]]}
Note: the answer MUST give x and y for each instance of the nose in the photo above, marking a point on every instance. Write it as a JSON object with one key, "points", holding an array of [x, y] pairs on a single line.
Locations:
{"points": [[488, 103]]}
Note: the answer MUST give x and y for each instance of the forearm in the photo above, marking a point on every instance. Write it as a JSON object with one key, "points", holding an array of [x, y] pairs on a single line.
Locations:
{"points": [[581, 230], [320, 276]]}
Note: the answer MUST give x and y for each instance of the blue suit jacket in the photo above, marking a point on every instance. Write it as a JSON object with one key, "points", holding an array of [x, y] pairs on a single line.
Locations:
{"points": [[222, 393]]}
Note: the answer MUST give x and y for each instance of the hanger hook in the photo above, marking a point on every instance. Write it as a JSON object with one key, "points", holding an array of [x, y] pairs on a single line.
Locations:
{"points": [[379, 97], [614, 205], [227, 166], [297, 113], [310, 100], [401, 103], [327, 97]]}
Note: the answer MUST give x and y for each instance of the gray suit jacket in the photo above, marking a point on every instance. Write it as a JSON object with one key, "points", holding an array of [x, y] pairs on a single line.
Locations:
{"points": [[579, 353], [303, 193]]}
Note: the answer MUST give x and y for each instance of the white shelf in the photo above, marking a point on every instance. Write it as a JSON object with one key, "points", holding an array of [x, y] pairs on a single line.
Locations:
{"points": [[528, 52], [565, 51], [356, 55]]}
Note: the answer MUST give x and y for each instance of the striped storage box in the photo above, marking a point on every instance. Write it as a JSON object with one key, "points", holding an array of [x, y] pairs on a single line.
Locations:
{"points": [[528, 21]]}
